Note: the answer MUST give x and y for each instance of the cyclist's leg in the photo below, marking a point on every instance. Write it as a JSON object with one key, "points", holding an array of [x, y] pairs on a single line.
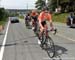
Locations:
{"points": [[33, 24], [46, 28], [40, 35], [41, 28]]}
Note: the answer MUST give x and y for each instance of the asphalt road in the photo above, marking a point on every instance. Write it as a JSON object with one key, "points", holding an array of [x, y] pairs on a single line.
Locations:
{"points": [[22, 44]]}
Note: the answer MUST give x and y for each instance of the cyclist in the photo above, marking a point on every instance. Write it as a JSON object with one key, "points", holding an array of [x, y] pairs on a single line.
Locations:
{"points": [[34, 16], [27, 19], [44, 16]]}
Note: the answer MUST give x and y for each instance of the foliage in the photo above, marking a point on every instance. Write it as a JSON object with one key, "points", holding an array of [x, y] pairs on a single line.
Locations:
{"points": [[2, 13], [60, 17], [3, 16], [13, 14], [39, 4], [66, 5]]}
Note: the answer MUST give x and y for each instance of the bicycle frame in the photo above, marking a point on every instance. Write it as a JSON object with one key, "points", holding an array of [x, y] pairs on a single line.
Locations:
{"points": [[44, 34], [45, 40]]}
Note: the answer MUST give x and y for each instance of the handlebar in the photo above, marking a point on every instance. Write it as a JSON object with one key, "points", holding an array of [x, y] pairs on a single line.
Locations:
{"points": [[55, 31]]}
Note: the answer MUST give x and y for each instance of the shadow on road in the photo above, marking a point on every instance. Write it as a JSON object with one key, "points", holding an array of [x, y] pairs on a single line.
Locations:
{"points": [[11, 43], [59, 50], [25, 38], [72, 27]]}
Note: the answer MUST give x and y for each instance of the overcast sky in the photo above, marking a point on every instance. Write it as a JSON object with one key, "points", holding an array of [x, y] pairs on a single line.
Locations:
{"points": [[18, 4]]}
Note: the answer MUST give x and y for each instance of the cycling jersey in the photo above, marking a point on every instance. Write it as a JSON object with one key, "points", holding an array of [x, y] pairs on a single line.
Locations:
{"points": [[34, 16], [43, 16]]}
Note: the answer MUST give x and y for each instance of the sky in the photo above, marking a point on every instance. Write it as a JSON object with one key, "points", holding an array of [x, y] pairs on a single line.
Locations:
{"points": [[18, 4]]}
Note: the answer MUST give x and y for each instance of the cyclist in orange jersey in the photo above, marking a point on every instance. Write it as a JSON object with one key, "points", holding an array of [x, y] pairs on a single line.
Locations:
{"points": [[44, 16], [34, 16]]}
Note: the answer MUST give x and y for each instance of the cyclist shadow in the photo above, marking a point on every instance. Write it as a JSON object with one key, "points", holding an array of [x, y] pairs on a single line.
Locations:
{"points": [[59, 50], [10, 44]]}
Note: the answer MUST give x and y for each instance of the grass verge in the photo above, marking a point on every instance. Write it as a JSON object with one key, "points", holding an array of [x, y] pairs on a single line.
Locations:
{"points": [[60, 17], [2, 22]]}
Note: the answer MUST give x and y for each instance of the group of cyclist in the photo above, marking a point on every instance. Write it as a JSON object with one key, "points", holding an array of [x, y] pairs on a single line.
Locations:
{"points": [[42, 17]]}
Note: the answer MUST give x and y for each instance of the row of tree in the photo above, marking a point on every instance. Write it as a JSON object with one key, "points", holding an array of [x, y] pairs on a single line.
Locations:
{"points": [[66, 5], [3, 14]]}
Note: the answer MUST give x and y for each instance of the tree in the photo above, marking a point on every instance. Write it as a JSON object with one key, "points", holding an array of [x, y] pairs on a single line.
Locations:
{"points": [[39, 4], [3, 14], [66, 5]]}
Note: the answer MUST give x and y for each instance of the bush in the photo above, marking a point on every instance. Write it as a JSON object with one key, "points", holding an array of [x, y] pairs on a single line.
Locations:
{"points": [[60, 17], [3, 16]]}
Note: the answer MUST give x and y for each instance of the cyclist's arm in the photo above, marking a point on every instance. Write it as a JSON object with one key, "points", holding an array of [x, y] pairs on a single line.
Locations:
{"points": [[39, 19], [51, 23]]}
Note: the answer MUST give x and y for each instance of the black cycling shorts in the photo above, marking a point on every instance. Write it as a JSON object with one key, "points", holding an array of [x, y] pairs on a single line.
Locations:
{"points": [[34, 18], [43, 23]]}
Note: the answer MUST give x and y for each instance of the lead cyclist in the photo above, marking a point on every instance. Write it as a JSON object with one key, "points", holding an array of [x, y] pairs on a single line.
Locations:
{"points": [[44, 16]]}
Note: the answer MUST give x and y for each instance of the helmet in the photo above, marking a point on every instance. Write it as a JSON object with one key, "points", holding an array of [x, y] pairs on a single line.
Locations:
{"points": [[34, 11]]}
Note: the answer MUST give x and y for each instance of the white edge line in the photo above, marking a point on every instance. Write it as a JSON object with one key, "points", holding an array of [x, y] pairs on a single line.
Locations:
{"points": [[4, 41], [65, 37]]}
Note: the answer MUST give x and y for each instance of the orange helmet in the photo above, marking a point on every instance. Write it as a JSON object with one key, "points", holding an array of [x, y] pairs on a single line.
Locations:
{"points": [[34, 12]]}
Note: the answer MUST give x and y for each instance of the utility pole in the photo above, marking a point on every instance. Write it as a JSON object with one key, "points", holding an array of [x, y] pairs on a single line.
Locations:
{"points": [[46, 2], [0, 3], [27, 6], [57, 3]]}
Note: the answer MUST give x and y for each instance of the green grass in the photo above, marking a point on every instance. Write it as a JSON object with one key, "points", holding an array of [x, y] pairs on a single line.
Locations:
{"points": [[60, 17], [21, 17], [2, 22]]}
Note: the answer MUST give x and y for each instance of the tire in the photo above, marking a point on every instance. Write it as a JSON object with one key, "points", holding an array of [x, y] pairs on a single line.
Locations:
{"points": [[27, 23], [50, 47], [43, 41]]}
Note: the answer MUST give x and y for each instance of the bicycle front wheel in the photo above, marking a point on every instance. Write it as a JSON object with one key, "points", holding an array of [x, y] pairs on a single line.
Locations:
{"points": [[50, 47]]}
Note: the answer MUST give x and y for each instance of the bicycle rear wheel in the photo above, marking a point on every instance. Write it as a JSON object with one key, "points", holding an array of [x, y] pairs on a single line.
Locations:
{"points": [[50, 47]]}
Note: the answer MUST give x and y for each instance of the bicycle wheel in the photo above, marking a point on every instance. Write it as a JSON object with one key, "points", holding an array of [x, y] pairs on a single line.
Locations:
{"points": [[43, 41], [50, 47]]}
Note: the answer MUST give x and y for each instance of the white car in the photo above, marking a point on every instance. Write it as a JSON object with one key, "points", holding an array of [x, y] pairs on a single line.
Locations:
{"points": [[71, 21], [14, 19]]}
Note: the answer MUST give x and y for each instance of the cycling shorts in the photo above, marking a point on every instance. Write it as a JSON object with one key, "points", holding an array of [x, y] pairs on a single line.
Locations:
{"points": [[34, 18], [43, 23]]}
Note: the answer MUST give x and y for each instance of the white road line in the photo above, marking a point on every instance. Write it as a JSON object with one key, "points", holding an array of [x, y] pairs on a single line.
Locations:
{"points": [[57, 58], [4, 41], [63, 36]]}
